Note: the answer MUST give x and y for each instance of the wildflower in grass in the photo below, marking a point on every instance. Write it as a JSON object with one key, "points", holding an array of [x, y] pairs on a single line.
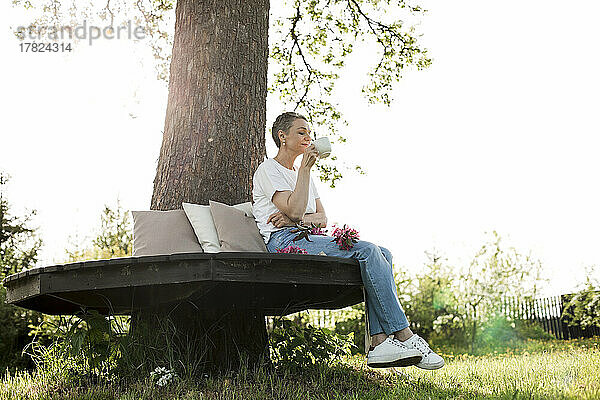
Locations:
{"points": [[345, 237], [163, 376], [292, 250]]}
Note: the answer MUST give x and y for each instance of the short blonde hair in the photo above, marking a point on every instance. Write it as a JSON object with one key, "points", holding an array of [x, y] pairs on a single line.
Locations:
{"points": [[283, 123]]}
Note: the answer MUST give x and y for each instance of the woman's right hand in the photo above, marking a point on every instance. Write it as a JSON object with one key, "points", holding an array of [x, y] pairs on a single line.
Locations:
{"points": [[310, 157], [279, 219]]}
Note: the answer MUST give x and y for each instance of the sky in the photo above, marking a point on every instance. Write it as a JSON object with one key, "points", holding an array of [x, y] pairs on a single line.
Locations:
{"points": [[500, 133]]}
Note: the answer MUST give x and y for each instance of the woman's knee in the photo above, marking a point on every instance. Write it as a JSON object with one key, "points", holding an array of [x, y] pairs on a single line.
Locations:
{"points": [[369, 248], [372, 254], [366, 248]]}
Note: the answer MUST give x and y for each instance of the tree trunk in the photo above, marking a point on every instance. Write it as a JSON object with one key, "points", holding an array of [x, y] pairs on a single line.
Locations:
{"points": [[213, 141], [197, 341], [214, 135]]}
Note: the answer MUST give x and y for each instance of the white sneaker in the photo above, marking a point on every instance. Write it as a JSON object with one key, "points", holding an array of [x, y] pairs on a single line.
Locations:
{"points": [[430, 359], [392, 353]]}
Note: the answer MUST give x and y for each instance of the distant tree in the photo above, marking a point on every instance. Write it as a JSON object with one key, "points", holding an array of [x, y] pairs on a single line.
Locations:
{"points": [[495, 272], [430, 295], [114, 237], [19, 247]]}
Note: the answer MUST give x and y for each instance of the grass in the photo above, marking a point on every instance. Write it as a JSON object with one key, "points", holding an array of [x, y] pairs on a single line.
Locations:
{"points": [[537, 370]]}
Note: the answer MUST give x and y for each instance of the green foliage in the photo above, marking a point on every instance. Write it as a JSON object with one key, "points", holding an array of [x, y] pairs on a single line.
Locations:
{"points": [[450, 306], [583, 307], [531, 330], [157, 345], [19, 247], [500, 333], [347, 322], [309, 50], [114, 237], [116, 234], [432, 304], [295, 346], [85, 347], [91, 348], [14, 329], [496, 271], [350, 322], [19, 244]]}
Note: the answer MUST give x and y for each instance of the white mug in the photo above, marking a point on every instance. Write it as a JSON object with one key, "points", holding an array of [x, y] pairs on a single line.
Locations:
{"points": [[323, 146]]}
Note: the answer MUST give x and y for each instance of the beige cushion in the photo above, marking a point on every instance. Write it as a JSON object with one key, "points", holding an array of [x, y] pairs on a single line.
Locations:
{"points": [[163, 232], [204, 227], [236, 231]]}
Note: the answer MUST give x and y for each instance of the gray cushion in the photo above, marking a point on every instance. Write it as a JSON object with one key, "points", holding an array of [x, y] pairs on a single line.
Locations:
{"points": [[236, 231], [163, 232]]}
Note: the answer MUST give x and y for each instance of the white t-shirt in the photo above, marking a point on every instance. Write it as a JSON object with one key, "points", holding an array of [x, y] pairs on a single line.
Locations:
{"points": [[270, 176]]}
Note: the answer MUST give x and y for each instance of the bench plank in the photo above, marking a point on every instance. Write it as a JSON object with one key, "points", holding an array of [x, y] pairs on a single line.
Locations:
{"points": [[270, 282]]}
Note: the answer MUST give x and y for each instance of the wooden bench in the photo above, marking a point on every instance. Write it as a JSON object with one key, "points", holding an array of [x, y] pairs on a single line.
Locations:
{"points": [[277, 284], [194, 290]]}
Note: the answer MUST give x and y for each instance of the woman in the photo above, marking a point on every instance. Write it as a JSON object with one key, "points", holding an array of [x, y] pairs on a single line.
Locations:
{"points": [[284, 196]]}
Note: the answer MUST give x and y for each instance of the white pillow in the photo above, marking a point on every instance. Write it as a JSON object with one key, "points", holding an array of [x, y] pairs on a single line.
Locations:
{"points": [[246, 208], [204, 227]]}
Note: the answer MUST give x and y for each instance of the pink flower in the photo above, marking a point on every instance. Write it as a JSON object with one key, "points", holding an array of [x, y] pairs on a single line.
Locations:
{"points": [[318, 231], [292, 250], [345, 237]]}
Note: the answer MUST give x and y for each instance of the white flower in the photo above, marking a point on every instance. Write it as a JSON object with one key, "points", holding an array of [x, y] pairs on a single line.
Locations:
{"points": [[165, 376]]}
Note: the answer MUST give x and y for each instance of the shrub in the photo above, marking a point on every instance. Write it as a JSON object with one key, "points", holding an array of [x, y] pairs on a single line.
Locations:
{"points": [[351, 323], [583, 308], [19, 248], [295, 346], [14, 328], [531, 330], [86, 346], [429, 302], [500, 333]]}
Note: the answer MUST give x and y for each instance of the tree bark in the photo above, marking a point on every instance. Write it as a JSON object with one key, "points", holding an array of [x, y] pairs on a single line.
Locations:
{"points": [[199, 341], [214, 137], [213, 141]]}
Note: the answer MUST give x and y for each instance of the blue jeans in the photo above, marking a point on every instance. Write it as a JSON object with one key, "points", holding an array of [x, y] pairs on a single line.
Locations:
{"points": [[383, 308]]}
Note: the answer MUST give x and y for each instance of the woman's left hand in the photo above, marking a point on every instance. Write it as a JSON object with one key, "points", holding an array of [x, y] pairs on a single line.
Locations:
{"points": [[279, 219]]}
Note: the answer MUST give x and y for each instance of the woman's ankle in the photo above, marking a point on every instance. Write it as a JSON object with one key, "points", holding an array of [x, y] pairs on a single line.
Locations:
{"points": [[403, 335], [378, 338]]}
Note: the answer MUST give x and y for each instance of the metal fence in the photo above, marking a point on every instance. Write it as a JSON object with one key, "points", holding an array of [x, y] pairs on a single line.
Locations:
{"points": [[548, 312]]}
